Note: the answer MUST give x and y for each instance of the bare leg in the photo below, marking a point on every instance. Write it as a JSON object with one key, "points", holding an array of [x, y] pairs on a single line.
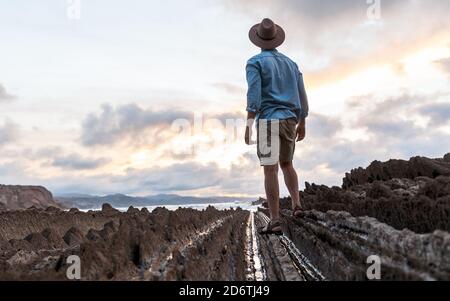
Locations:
{"points": [[272, 190], [291, 181]]}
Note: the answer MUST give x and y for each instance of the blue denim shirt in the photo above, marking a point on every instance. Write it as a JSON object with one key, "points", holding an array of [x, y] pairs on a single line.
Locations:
{"points": [[275, 87]]}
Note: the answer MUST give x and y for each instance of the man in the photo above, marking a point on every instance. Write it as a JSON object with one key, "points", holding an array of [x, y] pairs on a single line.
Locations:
{"points": [[277, 99]]}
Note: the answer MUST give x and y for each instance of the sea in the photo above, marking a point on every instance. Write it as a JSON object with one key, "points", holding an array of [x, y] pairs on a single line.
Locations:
{"points": [[220, 206]]}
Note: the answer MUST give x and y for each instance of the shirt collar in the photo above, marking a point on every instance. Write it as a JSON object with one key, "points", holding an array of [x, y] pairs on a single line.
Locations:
{"points": [[269, 50]]}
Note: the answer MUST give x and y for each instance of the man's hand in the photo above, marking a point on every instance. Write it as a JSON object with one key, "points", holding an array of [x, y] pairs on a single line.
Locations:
{"points": [[247, 135], [301, 131], [248, 129]]}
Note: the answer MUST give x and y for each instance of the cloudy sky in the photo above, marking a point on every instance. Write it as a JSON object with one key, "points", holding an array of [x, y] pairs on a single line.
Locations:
{"points": [[133, 96]]}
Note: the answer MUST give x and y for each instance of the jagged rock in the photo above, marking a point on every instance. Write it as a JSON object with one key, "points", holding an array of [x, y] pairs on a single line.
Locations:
{"points": [[18, 224], [47, 263], [378, 190], [447, 158], [5, 247], [37, 241], [108, 209], [260, 201], [22, 257], [132, 210], [73, 237], [94, 235], [54, 240], [339, 245], [399, 215], [421, 204], [108, 230], [20, 244], [52, 209], [383, 171]]}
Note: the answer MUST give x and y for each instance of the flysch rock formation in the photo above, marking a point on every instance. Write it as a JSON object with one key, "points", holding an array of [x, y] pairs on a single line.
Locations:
{"points": [[392, 210], [404, 221], [15, 197], [19, 224], [338, 245], [185, 244], [383, 171], [414, 201]]}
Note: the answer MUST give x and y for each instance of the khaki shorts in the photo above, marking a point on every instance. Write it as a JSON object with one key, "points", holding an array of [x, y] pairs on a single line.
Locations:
{"points": [[276, 141]]}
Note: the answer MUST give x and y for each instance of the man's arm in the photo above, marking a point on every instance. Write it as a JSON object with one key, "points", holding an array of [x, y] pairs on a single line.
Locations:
{"points": [[253, 97], [303, 97], [301, 128]]}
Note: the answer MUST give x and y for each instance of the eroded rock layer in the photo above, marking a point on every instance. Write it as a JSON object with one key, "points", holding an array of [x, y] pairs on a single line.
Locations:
{"points": [[419, 203], [339, 245], [19, 224], [397, 211], [383, 171], [185, 244]]}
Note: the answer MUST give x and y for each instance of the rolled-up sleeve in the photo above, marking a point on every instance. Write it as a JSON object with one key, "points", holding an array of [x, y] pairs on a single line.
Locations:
{"points": [[254, 87], [304, 106]]}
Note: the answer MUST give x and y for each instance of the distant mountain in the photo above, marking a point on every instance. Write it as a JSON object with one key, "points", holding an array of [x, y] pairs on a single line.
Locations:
{"points": [[83, 201], [74, 195]]}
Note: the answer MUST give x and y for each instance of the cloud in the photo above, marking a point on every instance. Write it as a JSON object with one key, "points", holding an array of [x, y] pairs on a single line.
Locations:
{"points": [[188, 178], [390, 127], [439, 113], [77, 162], [9, 132], [4, 95], [310, 10], [177, 177], [333, 16], [333, 39], [387, 128], [322, 126], [191, 177], [390, 118], [12, 170], [371, 110], [231, 88], [133, 125], [444, 65], [397, 116], [57, 156], [124, 122]]}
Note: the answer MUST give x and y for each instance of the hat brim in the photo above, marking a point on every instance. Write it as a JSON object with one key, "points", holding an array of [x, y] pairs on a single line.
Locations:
{"points": [[266, 44]]}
